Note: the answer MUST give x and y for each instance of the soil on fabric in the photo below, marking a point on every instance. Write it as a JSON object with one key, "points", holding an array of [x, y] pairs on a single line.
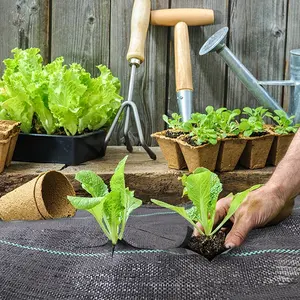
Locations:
{"points": [[209, 247], [173, 134]]}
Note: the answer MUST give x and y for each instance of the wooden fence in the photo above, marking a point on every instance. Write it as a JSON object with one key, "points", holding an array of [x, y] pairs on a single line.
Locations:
{"points": [[93, 32]]}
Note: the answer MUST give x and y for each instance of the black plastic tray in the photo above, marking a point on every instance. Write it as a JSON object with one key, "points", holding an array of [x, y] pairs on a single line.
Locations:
{"points": [[69, 150]]}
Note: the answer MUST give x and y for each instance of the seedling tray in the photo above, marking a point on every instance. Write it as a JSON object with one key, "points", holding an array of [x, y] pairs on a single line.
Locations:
{"points": [[69, 150]]}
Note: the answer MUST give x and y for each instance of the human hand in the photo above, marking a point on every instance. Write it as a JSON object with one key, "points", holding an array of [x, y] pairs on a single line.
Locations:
{"points": [[264, 206]]}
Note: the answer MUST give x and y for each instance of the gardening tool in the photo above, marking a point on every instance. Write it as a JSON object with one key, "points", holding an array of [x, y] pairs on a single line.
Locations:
{"points": [[135, 56], [181, 18], [216, 43]]}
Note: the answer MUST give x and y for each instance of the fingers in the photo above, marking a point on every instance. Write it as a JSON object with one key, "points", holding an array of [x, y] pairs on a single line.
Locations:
{"points": [[221, 211], [237, 235]]}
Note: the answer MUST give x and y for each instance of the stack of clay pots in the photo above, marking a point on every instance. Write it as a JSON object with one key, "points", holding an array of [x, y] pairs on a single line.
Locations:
{"points": [[9, 131]]}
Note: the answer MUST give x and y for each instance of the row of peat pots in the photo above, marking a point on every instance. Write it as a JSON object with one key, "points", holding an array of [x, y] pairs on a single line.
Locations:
{"points": [[250, 152]]}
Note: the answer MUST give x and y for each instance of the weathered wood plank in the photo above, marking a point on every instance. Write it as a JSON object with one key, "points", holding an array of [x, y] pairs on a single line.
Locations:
{"points": [[148, 178], [80, 32], [293, 42], [257, 38], [19, 173], [150, 81], [24, 24], [208, 71]]}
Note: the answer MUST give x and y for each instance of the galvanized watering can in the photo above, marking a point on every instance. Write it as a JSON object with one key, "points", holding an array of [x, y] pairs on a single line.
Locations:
{"points": [[216, 44]]}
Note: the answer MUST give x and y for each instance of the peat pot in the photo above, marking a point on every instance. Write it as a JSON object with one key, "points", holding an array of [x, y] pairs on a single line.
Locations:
{"points": [[230, 152], [256, 151], [199, 156], [170, 150], [68, 150], [279, 147]]}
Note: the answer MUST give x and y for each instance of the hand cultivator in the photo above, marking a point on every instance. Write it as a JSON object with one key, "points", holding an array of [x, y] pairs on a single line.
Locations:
{"points": [[180, 19]]}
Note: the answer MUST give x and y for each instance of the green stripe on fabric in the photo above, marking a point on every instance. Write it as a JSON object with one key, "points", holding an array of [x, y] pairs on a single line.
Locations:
{"points": [[142, 251], [155, 214]]}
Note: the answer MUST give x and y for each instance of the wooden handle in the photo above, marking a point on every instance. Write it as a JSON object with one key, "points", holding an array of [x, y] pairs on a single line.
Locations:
{"points": [[183, 67], [139, 27], [191, 16]]}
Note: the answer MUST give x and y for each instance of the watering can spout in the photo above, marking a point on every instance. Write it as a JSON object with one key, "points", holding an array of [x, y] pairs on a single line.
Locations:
{"points": [[216, 43]]}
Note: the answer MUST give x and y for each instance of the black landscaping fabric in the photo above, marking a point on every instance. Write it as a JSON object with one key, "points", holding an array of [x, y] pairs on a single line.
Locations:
{"points": [[69, 259]]}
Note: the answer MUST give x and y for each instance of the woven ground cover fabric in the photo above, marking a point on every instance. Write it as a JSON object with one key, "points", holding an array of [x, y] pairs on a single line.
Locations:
{"points": [[69, 259]]}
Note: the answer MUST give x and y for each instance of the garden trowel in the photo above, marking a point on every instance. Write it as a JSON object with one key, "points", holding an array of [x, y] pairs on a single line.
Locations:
{"points": [[135, 56], [183, 70], [181, 18]]}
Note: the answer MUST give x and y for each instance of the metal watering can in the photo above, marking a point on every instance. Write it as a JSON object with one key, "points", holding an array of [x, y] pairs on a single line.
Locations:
{"points": [[216, 43]]}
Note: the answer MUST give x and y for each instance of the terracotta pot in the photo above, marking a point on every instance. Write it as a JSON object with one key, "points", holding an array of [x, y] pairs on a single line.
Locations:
{"points": [[170, 150], [200, 156], [230, 152], [256, 151], [279, 147], [44, 197]]}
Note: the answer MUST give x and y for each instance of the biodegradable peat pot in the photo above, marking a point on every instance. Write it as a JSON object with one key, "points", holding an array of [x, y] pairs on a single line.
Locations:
{"points": [[230, 152], [44, 197], [256, 151], [69, 150], [170, 150], [279, 147], [199, 156], [9, 131]]}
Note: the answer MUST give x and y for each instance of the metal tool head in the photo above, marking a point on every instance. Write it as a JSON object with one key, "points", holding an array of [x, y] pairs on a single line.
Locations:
{"points": [[213, 43]]}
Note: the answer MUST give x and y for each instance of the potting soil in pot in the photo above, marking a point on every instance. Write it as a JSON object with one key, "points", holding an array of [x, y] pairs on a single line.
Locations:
{"points": [[68, 259]]}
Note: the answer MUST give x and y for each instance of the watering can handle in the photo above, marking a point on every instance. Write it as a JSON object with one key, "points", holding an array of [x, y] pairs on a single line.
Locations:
{"points": [[139, 27], [183, 67]]}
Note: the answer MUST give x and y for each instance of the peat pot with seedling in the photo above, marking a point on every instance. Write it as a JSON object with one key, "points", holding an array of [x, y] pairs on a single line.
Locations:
{"points": [[202, 188], [168, 144], [232, 146], [63, 111], [200, 147], [283, 132], [259, 138]]}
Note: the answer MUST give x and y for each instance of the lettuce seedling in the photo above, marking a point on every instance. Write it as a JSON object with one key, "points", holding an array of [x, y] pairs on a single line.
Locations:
{"points": [[175, 122], [284, 123], [255, 122], [226, 123], [111, 209], [203, 188], [204, 135]]}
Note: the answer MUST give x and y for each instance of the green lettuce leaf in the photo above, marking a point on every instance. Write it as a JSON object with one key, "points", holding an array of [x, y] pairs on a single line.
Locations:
{"points": [[92, 183]]}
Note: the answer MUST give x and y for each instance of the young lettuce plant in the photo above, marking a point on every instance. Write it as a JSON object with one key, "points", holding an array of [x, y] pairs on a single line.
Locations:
{"points": [[111, 209], [175, 122], [204, 135], [203, 188], [255, 122], [284, 123], [226, 123]]}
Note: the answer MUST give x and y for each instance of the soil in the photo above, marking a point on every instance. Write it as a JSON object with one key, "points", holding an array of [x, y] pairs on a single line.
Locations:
{"points": [[209, 247], [173, 134], [255, 134], [191, 141]]}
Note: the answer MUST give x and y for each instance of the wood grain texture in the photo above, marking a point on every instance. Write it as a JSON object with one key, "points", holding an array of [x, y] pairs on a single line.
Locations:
{"points": [[24, 24], [257, 37], [208, 71], [293, 42], [148, 178], [151, 77], [80, 32]]}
